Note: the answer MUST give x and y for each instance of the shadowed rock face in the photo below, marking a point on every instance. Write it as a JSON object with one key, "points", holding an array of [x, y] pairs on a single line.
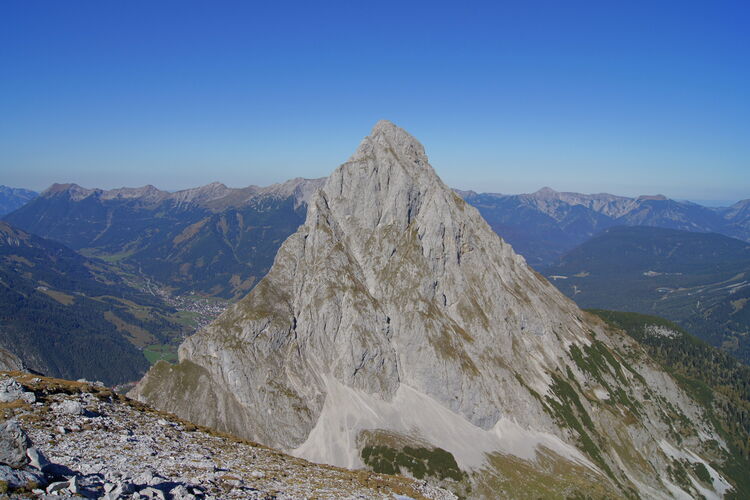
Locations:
{"points": [[10, 362], [395, 308]]}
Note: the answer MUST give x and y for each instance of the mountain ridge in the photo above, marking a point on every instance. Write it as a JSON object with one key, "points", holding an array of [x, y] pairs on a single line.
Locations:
{"points": [[545, 224], [214, 195], [13, 198], [212, 240], [167, 236]]}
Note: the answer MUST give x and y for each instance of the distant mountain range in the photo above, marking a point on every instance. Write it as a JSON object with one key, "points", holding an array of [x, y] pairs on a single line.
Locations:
{"points": [[219, 241], [68, 316], [213, 239], [738, 217], [544, 225], [14, 198], [699, 280], [168, 237]]}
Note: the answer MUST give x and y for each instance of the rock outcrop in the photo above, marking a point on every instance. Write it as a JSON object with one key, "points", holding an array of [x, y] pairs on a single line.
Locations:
{"points": [[395, 327], [13, 445], [10, 362]]}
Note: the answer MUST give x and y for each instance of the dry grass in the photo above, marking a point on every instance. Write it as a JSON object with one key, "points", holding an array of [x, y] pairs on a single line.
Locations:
{"points": [[62, 298]]}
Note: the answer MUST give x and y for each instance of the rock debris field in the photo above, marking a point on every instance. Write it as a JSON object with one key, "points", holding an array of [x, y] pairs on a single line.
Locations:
{"points": [[63, 439]]}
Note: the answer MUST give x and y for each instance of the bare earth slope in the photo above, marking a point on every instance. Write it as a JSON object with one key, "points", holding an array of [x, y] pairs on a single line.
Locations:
{"points": [[396, 324]]}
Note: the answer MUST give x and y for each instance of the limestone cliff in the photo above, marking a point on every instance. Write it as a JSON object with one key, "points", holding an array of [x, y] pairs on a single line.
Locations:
{"points": [[396, 319]]}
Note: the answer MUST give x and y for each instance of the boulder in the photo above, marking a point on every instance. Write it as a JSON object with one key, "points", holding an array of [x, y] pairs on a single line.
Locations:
{"points": [[57, 487], [10, 390], [13, 445], [180, 492], [14, 479], [37, 459], [70, 407], [152, 493]]}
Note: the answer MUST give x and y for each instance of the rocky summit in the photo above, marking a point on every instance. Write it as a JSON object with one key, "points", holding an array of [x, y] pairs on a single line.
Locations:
{"points": [[397, 331]]}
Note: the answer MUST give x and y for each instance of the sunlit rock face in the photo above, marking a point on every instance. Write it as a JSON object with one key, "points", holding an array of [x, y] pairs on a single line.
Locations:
{"points": [[396, 316]]}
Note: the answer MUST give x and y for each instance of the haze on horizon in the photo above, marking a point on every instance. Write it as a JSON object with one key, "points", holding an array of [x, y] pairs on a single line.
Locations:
{"points": [[628, 99]]}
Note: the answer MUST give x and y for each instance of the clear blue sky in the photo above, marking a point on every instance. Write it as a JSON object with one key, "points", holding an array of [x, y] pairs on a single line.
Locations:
{"points": [[624, 97]]}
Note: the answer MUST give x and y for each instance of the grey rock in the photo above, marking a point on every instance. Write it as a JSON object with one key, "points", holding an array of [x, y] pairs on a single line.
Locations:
{"points": [[117, 490], [152, 493], [73, 485], [13, 445], [188, 464], [156, 480], [146, 477], [20, 478], [57, 487], [180, 492], [36, 458], [70, 407], [395, 308], [10, 390]]}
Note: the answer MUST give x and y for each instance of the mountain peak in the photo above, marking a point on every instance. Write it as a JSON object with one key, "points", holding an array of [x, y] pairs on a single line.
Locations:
{"points": [[388, 137], [202, 194], [389, 128], [144, 193], [395, 315], [60, 188], [652, 197], [546, 192], [384, 182], [14, 198], [73, 190]]}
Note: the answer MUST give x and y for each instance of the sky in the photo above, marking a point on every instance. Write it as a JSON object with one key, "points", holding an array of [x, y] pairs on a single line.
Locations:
{"points": [[623, 97]]}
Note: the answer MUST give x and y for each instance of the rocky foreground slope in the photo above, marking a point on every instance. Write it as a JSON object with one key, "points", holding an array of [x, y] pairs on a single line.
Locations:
{"points": [[91, 443], [396, 330]]}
